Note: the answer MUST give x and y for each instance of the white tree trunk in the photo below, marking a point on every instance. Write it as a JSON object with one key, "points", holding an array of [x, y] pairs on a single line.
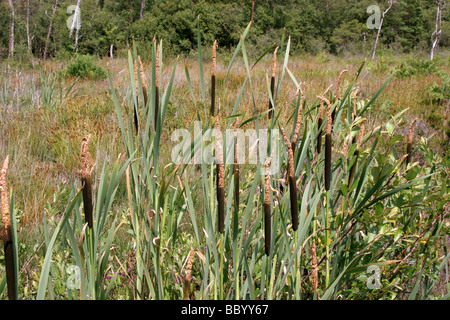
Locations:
{"points": [[49, 32], [141, 13], [11, 34], [438, 29], [28, 28], [391, 2]]}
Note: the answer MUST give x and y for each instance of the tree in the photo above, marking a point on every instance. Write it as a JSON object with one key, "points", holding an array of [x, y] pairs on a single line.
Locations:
{"points": [[11, 32], [435, 36], [391, 2]]}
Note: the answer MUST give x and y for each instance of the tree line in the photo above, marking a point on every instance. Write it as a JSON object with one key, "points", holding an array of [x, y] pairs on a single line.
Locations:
{"points": [[57, 28]]}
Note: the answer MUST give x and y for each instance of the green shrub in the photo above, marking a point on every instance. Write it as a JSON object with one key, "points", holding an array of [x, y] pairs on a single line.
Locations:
{"points": [[83, 66], [414, 67]]}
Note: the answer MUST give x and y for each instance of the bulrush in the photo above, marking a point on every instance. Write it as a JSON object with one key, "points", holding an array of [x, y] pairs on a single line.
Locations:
{"points": [[236, 168], [320, 121], [336, 93], [144, 82], [213, 79], [327, 144], [7, 233], [358, 145], [314, 269], [157, 87], [188, 278], [299, 116], [86, 160], [136, 125], [272, 82], [267, 208], [292, 182], [220, 178], [409, 142]]}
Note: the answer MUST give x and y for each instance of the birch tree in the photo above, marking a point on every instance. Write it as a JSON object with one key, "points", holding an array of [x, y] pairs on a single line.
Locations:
{"points": [[391, 2], [435, 36], [50, 26]]}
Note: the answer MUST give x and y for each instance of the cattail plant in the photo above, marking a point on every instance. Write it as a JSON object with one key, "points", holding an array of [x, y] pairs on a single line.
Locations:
{"points": [[267, 207], [86, 160], [358, 145], [409, 142], [299, 116], [136, 124], [188, 276], [236, 169], [320, 122], [220, 178], [7, 234], [272, 82], [336, 93], [144, 82], [327, 182], [157, 66], [213, 79], [292, 182], [327, 144], [314, 268]]}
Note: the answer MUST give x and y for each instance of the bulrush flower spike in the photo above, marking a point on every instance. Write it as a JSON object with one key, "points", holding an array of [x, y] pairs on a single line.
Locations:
{"points": [[267, 208], [292, 182], [301, 89], [8, 245], [213, 80], [327, 144], [220, 178], [86, 160], [272, 82], [188, 278], [320, 122]]}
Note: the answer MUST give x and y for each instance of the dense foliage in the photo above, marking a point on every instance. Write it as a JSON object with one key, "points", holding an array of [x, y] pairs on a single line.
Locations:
{"points": [[314, 26]]}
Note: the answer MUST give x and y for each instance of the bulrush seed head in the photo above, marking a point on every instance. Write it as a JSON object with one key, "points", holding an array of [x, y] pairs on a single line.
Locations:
{"points": [[292, 182], [86, 160]]}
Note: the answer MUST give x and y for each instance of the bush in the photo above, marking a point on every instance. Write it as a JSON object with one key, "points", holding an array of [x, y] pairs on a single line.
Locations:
{"points": [[83, 66], [413, 67]]}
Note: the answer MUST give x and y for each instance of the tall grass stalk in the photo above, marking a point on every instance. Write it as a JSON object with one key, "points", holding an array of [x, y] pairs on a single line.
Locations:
{"points": [[8, 241]]}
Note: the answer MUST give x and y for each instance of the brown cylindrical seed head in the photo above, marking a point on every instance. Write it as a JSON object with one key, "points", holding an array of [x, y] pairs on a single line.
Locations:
{"points": [[314, 270], [214, 57], [220, 179], [7, 233], [6, 219], [188, 278], [328, 145], [274, 62], [86, 160], [339, 83], [299, 115], [292, 182]]}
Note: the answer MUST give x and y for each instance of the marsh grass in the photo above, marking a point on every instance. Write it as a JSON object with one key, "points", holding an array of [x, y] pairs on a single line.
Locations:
{"points": [[250, 250]]}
